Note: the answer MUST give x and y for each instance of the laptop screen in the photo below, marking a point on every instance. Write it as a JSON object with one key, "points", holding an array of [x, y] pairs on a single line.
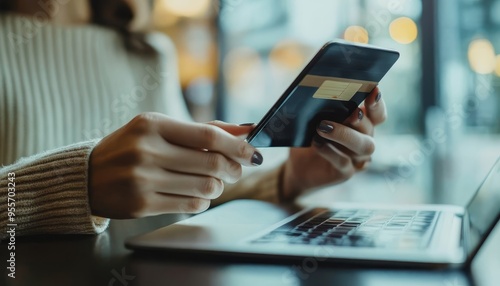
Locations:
{"points": [[484, 208]]}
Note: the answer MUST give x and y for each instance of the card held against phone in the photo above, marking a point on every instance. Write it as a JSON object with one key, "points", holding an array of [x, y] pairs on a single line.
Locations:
{"points": [[332, 85]]}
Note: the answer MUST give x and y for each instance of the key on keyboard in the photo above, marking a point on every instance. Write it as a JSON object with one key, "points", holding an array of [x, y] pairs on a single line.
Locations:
{"points": [[356, 228]]}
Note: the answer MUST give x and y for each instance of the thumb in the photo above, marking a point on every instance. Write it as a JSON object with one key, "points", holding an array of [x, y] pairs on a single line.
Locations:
{"points": [[233, 129]]}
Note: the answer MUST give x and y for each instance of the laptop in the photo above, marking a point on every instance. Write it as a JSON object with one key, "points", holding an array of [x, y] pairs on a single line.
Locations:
{"points": [[416, 235]]}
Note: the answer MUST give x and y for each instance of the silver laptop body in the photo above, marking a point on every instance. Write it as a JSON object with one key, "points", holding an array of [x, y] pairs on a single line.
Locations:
{"points": [[415, 235]]}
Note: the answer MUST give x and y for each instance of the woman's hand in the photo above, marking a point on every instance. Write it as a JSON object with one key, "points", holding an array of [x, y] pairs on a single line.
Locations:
{"points": [[155, 164], [338, 151]]}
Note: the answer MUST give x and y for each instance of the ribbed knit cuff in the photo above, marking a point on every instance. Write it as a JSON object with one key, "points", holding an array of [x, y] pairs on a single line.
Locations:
{"points": [[50, 193]]}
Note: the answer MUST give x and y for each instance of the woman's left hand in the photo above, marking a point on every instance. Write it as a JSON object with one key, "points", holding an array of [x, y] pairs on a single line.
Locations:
{"points": [[338, 151]]}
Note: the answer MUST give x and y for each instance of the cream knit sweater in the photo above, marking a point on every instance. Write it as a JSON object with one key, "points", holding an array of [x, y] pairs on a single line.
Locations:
{"points": [[62, 87]]}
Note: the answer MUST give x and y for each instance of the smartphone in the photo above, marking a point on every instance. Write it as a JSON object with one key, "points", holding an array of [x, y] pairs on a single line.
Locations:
{"points": [[332, 85]]}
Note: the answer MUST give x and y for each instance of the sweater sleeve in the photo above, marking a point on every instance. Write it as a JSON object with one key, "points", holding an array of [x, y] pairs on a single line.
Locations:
{"points": [[47, 194]]}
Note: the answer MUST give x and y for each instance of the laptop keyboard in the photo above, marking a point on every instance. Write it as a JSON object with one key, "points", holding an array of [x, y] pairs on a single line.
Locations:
{"points": [[356, 228]]}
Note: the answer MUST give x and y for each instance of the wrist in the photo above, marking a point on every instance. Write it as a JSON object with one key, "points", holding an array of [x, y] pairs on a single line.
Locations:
{"points": [[288, 190]]}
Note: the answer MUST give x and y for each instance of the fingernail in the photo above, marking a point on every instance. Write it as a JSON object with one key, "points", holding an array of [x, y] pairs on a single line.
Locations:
{"points": [[246, 124], [379, 96], [325, 127], [360, 114], [257, 159]]}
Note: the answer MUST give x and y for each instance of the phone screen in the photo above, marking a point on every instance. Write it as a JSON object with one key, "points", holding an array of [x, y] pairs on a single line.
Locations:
{"points": [[331, 87]]}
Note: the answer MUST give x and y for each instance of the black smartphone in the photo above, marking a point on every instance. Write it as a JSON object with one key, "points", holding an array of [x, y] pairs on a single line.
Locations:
{"points": [[332, 85]]}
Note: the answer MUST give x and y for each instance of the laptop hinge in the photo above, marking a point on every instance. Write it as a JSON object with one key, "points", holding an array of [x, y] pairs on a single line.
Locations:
{"points": [[466, 239]]}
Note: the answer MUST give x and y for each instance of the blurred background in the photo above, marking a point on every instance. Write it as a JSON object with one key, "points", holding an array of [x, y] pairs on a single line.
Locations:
{"points": [[236, 57]]}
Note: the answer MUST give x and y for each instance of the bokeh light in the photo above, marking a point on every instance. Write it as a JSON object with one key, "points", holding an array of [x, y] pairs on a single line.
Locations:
{"points": [[239, 62], [356, 34], [482, 56], [162, 17], [403, 30], [288, 54], [186, 8]]}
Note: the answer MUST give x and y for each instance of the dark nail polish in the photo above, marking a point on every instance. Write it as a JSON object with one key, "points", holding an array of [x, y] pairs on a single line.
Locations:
{"points": [[257, 159], [360, 114], [246, 124], [379, 96], [325, 127]]}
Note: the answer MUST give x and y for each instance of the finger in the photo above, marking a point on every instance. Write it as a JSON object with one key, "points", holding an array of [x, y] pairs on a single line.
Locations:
{"points": [[335, 157], [360, 164], [159, 203], [207, 137], [366, 158], [233, 129], [191, 186], [167, 182], [358, 143], [375, 107], [360, 122], [198, 162], [356, 159]]}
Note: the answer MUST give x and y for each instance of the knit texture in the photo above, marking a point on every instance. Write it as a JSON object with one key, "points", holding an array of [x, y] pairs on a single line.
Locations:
{"points": [[50, 193], [61, 87]]}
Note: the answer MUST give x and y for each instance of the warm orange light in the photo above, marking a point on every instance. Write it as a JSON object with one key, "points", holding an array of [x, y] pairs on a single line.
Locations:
{"points": [[481, 56], [162, 17], [186, 8], [239, 62], [403, 30], [288, 54], [356, 34]]}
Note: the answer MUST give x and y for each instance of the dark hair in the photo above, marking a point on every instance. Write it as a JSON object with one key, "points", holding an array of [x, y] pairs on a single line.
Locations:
{"points": [[5, 5], [118, 15], [114, 14]]}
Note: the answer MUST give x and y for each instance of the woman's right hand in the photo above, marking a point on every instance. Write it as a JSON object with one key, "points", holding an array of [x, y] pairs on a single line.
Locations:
{"points": [[155, 164]]}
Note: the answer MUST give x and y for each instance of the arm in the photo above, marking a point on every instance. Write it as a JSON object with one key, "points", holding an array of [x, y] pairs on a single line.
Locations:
{"points": [[260, 185], [335, 157], [155, 165], [339, 151], [50, 193], [152, 165]]}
